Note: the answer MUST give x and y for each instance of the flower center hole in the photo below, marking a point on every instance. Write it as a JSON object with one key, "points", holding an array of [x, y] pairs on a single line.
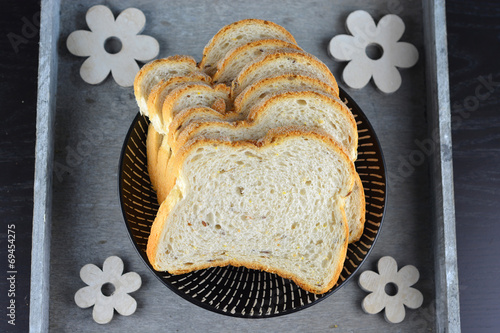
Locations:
{"points": [[391, 289], [374, 51], [108, 289], [113, 45]]}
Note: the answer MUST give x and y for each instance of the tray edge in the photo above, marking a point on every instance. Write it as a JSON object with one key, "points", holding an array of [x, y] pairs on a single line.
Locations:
{"points": [[44, 152], [441, 167]]}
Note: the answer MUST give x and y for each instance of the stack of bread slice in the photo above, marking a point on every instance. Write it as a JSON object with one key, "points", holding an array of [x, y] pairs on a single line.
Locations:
{"points": [[251, 153]]}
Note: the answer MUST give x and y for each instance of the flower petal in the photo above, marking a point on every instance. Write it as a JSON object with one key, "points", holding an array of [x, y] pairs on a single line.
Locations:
{"points": [[143, 47], [387, 266], [403, 55], [81, 43], [369, 281], [374, 302], [124, 304], [86, 296], [131, 20], [394, 310], [361, 25], [343, 47], [91, 274], [124, 72], [412, 298], [388, 80], [390, 28], [103, 311], [99, 18], [129, 282], [94, 70], [112, 267], [407, 276], [356, 74]]}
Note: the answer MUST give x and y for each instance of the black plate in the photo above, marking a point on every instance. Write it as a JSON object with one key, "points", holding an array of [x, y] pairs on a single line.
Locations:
{"points": [[238, 291]]}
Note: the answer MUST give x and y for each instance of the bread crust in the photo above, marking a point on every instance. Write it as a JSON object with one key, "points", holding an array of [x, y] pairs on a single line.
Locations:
{"points": [[160, 91], [263, 45], [257, 112], [309, 82], [271, 56], [235, 25], [153, 143], [274, 137], [175, 95], [159, 225], [141, 96], [354, 237], [183, 118]]}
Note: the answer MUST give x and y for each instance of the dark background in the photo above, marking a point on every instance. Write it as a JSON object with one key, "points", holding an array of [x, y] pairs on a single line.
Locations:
{"points": [[474, 56]]}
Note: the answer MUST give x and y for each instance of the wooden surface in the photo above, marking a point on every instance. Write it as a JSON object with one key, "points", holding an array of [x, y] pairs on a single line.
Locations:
{"points": [[18, 84], [474, 39], [474, 46]]}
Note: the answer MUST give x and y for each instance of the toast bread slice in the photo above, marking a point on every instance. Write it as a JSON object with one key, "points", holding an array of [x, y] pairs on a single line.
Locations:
{"points": [[279, 62], [276, 204], [234, 61], [157, 70], [236, 34]]}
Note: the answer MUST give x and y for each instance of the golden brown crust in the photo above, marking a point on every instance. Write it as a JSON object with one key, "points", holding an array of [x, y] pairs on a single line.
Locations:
{"points": [[161, 89], [176, 94], [257, 112], [272, 56], [184, 118], [263, 44], [155, 64], [153, 143], [158, 227], [220, 34], [275, 136], [359, 183], [301, 283], [310, 83], [164, 153]]}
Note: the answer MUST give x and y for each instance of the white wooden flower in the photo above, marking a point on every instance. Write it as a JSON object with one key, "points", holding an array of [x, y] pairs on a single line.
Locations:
{"points": [[373, 51], [112, 45], [379, 284], [107, 290]]}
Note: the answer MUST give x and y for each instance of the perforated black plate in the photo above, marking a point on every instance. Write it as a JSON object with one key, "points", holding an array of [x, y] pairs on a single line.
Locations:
{"points": [[240, 291]]}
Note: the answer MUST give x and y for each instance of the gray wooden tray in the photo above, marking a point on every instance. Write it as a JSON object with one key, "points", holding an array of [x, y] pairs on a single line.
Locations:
{"points": [[81, 128]]}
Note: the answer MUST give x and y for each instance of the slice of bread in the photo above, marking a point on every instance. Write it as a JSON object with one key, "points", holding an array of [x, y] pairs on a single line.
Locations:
{"points": [[160, 91], [236, 34], [157, 70], [292, 108], [301, 108], [158, 154], [193, 95], [279, 62], [274, 205], [234, 61], [248, 99], [259, 90], [355, 210]]}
